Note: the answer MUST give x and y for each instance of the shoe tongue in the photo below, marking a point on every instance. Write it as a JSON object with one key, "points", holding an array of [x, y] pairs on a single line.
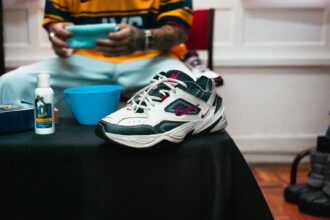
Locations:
{"points": [[189, 54], [195, 62], [172, 74]]}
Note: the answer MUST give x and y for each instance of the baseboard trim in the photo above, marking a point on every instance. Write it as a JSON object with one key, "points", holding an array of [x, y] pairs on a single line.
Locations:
{"points": [[271, 158], [273, 149]]}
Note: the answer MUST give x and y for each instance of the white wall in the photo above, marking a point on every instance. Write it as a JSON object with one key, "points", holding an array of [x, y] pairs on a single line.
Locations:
{"points": [[25, 40], [273, 55], [271, 33], [273, 112]]}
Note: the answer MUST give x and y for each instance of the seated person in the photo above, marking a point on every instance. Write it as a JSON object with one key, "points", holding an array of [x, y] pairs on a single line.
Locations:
{"points": [[125, 58]]}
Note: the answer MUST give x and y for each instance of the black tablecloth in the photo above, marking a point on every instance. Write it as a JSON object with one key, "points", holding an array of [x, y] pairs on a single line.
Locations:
{"points": [[75, 175]]}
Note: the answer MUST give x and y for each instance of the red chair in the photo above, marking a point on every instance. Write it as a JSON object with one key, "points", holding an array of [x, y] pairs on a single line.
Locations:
{"points": [[201, 33]]}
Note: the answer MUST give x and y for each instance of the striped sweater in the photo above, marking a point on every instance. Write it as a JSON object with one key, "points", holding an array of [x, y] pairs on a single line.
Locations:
{"points": [[145, 14]]}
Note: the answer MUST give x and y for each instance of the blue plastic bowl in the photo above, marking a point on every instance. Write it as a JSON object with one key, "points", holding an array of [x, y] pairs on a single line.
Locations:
{"points": [[89, 104]]}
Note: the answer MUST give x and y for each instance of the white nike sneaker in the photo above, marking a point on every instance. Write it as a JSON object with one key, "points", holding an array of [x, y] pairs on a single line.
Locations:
{"points": [[195, 64], [171, 107]]}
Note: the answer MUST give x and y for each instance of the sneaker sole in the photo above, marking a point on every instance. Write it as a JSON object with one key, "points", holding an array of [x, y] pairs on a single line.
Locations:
{"points": [[211, 123]]}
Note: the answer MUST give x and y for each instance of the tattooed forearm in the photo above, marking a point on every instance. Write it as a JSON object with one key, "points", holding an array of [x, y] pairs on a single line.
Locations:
{"points": [[168, 36], [136, 40], [130, 39]]}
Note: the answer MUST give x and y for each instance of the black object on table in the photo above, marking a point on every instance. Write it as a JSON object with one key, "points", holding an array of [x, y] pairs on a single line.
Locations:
{"points": [[75, 175]]}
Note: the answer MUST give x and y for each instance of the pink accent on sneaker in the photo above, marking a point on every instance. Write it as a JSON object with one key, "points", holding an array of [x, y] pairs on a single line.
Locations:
{"points": [[183, 111], [218, 78], [174, 75], [163, 97]]}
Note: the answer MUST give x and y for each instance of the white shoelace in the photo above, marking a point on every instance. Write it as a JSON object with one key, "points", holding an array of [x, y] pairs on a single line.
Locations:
{"points": [[142, 96]]}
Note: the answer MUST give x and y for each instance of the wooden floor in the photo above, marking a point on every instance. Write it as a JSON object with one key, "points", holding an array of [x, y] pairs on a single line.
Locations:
{"points": [[273, 178]]}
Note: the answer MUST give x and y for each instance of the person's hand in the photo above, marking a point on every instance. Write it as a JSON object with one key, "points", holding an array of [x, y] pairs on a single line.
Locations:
{"points": [[123, 42], [58, 36]]}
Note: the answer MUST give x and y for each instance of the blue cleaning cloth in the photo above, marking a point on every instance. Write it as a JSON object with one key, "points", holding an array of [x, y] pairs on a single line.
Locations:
{"points": [[84, 36]]}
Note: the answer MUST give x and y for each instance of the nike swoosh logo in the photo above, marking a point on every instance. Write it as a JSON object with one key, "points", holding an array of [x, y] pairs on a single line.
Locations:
{"points": [[203, 115], [183, 111]]}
